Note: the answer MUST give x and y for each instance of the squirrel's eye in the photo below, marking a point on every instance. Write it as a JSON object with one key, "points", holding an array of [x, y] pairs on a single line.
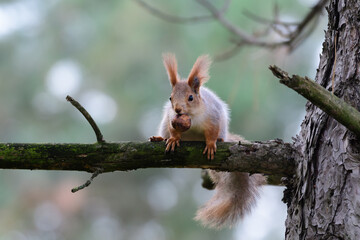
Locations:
{"points": [[191, 98], [170, 98]]}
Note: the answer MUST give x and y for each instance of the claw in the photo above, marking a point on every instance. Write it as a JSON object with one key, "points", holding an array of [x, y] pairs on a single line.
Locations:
{"points": [[205, 150], [167, 148], [210, 149], [171, 143]]}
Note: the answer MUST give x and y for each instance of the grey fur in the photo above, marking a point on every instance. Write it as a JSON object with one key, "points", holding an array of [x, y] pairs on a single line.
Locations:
{"points": [[215, 109], [236, 192]]}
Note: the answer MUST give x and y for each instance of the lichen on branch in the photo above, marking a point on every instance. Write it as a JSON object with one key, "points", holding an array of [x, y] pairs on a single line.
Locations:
{"points": [[273, 157]]}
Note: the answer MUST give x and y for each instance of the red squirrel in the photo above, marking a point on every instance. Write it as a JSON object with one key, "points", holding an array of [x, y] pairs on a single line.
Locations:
{"points": [[236, 192]]}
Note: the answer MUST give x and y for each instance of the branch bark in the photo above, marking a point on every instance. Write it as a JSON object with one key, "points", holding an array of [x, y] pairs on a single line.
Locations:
{"points": [[337, 108], [271, 157]]}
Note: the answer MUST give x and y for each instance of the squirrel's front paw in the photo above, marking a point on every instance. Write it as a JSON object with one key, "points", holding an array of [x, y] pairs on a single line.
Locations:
{"points": [[171, 143], [210, 149], [156, 139]]}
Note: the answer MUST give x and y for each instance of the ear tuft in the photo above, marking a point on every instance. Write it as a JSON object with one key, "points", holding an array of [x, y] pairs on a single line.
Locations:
{"points": [[170, 64], [199, 74], [195, 84]]}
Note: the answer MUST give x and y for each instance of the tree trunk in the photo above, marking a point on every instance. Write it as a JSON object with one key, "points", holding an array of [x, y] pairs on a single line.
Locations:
{"points": [[324, 201]]}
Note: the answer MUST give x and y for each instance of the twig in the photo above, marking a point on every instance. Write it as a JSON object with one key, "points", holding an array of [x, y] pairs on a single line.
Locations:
{"points": [[335, 107], [225, 6], [229, 53], [245, 37], [88, 182], [309, 17], [88, 117], [248, 39], [293, 37], [172, 18], [296, 41], [274, 24], [266, 21], [181, 20], [296, 36]]}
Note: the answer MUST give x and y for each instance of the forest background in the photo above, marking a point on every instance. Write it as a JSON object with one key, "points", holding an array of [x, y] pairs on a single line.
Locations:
{"points": [[108, 57]]}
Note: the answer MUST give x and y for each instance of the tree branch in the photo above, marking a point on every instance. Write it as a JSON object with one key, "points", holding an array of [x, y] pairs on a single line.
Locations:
{"points": [[171, 18], [319, 96], [177, 19], [270, 157], [292, 38], [245, 37], [292, 33]]}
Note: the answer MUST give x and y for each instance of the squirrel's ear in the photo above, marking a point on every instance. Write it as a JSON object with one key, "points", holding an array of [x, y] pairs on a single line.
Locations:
{"points": [[170, 64], [199, 74]]}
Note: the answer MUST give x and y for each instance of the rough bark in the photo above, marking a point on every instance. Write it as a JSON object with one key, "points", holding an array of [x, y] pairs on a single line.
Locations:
{"points": [[324, 200], [273, 158]]}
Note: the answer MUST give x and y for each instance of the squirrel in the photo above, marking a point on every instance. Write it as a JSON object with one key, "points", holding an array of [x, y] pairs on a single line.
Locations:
{"points": [[235, 192]]}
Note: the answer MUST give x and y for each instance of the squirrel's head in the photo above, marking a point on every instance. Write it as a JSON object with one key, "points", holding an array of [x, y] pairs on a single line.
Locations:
{"points": [[185, 96]]}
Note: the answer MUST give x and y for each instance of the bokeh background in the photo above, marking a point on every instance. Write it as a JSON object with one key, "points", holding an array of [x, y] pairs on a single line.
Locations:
{"points": [[107, 55]]}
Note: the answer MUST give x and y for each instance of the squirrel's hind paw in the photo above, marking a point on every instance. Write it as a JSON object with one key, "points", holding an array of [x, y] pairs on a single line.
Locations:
{"points": [[210, 149]]}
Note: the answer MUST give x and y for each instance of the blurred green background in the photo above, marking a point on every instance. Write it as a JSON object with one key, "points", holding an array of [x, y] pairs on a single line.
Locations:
{"points": [[107, 55]]}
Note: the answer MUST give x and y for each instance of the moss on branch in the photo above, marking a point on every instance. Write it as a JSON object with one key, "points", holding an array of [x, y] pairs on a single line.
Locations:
{"points": [[270, 157]]}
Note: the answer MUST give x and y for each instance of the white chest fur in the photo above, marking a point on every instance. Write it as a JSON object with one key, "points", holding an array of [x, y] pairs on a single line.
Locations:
{"points": [[196, 131]]}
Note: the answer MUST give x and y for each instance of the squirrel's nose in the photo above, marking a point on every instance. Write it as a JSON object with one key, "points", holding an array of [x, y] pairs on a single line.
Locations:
{"points": [[178, 110]]}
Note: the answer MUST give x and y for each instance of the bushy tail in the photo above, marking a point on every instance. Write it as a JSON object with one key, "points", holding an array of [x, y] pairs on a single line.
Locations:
{"points": [[235, 195]]}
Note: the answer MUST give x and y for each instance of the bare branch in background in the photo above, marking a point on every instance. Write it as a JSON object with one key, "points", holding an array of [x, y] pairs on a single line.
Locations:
{"points": [[229, 53], [295, 32], [177, 19], [291, 34]]}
